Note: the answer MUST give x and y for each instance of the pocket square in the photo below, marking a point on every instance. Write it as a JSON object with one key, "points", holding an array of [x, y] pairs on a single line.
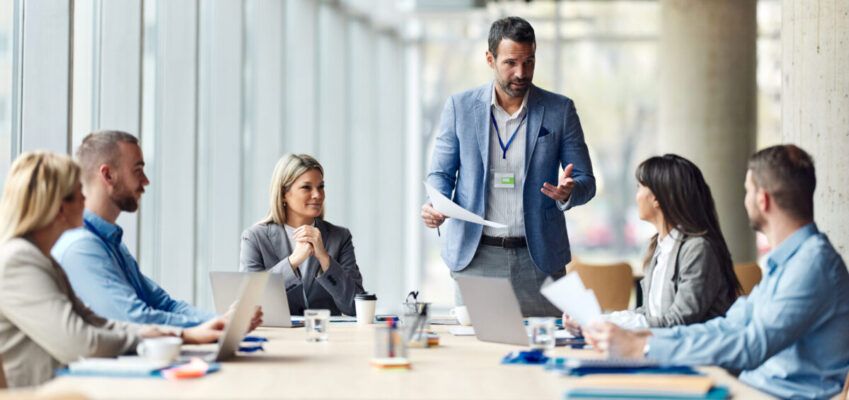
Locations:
{"points": [[543, 132]]}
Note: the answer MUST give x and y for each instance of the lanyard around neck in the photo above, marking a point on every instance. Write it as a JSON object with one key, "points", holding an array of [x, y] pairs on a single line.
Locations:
{"points": [[510, 139]]}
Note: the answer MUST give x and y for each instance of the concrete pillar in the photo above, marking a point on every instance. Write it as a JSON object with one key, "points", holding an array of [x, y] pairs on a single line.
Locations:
{"points": [[707, 101], [815, 103]]}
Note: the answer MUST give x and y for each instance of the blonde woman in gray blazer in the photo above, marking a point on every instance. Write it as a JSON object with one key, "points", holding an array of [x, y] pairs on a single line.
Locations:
{"points": [[43, 325], [315, 257], [689, 276]]}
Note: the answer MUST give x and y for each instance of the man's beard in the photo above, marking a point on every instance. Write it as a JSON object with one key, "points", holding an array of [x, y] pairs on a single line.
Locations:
{"points": [[756, 222], [124, 199], [505, 86]]}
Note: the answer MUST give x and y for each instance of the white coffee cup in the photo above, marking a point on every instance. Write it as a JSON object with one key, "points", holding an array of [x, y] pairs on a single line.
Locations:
{"points": [[462, 315], [365, 303], [160, 349]]}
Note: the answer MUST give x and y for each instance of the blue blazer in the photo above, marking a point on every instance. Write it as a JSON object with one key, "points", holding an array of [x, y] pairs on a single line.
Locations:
{"points": [[459, 171]]}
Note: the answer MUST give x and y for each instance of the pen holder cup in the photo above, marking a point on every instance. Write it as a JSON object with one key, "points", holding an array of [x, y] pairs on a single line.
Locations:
{"points": [[411, 310], [388, 343]]}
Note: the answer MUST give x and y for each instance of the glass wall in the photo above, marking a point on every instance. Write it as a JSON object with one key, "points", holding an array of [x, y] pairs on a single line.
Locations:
{"points": [[219, 90], [603, 55], [7, 33]]}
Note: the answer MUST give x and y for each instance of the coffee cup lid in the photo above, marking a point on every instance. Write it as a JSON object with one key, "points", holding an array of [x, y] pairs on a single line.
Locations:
{"points": [[366, 296]]}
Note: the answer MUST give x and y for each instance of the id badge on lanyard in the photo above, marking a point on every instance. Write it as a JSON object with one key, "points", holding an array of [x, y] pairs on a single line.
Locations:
{"points": [[504, 180]]}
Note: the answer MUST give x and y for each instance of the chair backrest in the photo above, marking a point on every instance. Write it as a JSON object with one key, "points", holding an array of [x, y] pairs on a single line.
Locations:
{"points": [[611, 283], [749, 274]]}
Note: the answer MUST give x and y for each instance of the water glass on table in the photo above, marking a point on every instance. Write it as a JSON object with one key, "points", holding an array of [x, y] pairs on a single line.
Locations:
{"points": [[316, 322], [542, 333]]}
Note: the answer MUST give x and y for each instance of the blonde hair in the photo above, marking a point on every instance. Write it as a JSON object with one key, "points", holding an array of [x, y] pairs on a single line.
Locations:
{"points": [[37, 184], [288, 169]]}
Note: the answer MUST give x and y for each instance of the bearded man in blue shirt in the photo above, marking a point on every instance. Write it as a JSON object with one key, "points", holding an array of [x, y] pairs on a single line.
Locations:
{"points": [[790, 336], [101, 269]]}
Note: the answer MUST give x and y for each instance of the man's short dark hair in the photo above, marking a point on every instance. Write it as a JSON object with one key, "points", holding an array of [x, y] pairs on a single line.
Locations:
{"points": [[513, 28], [787, 173], [100, 148]]}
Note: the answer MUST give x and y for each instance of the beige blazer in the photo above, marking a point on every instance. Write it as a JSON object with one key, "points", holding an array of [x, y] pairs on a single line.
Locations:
{"points": [[43, 325]]}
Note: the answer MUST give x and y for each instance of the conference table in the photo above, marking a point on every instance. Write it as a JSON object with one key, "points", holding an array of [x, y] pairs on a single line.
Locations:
{"points": [[461, 367]]}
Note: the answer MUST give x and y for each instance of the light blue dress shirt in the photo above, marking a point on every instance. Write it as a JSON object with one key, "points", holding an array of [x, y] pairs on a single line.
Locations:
{"points": [[115, 288], [790, 336]]}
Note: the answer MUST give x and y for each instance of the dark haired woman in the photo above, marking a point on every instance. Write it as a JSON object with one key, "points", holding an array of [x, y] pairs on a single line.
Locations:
{"points": [[689, 274]]}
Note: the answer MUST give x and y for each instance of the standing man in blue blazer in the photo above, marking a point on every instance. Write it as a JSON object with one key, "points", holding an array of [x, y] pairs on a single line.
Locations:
{"points": [[498, 154]]}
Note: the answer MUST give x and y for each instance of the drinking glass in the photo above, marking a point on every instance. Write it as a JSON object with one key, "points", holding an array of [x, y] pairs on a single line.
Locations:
{"points": [[315, 322], [542, 333]]}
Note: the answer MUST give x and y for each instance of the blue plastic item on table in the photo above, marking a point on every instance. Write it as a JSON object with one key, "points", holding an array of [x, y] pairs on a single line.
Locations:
{"points": [[529, 357]]}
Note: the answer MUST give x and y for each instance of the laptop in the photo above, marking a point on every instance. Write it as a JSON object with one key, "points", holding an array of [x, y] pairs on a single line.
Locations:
{"points": [[495, 312], [247, 298], [275, 304], [493, 309]]}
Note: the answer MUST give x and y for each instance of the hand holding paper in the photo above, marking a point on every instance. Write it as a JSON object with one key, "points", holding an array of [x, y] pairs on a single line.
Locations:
{"points": [[450, 209], [570, 295]]}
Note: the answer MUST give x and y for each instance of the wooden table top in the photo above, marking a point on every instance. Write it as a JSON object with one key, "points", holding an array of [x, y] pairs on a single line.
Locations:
{"points": [[460, 368]]}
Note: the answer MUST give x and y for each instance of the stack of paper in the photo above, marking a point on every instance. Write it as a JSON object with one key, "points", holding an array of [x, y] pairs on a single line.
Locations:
{"points": [[571, 296], [391, 363]]}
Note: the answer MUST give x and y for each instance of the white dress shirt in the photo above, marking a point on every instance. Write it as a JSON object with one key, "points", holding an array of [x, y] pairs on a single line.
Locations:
{"points": [[504, 205], [630, 320], [658, 281]]}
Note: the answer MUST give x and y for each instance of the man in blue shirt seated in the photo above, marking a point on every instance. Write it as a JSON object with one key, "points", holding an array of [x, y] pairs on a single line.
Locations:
{"points": [[790, 336], [102, 271]]}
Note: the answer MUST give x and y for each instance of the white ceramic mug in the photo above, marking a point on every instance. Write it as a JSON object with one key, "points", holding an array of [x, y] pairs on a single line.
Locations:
{"points": [[160, 349], [462, 315]]}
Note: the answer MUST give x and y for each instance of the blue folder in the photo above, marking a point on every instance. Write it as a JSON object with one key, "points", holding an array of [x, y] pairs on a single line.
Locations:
{"points": [[581, 367], [717, 392]]}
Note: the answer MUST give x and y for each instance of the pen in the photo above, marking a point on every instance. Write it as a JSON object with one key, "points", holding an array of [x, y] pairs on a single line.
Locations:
{"points": [[437, 232]]}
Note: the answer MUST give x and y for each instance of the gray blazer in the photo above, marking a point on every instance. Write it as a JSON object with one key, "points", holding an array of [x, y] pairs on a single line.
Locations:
{"points": [[694, 291], [43, 325], [265, 247]]}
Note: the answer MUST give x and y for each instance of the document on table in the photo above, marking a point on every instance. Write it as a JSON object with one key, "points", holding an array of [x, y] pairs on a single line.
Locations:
{"points": [[569, 295], [460, 330], [450, 209]]}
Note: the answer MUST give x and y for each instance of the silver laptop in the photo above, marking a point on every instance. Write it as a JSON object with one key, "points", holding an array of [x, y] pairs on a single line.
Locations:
{"points": [[493, 309], [246, 300], [275, 304]]}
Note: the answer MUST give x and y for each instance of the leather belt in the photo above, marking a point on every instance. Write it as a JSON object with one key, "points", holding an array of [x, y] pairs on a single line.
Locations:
{"points": [[505, 242]]}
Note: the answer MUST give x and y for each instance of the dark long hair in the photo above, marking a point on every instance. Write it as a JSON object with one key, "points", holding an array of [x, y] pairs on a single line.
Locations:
{"points": [[687, 205]]}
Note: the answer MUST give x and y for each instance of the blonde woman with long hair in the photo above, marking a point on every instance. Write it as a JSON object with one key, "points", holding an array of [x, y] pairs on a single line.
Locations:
{"points": [[43, 325], [315, 257]]}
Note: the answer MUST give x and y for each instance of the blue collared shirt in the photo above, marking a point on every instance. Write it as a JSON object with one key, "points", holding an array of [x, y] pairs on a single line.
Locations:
{"points": [[115, 288], [790, 336]]}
